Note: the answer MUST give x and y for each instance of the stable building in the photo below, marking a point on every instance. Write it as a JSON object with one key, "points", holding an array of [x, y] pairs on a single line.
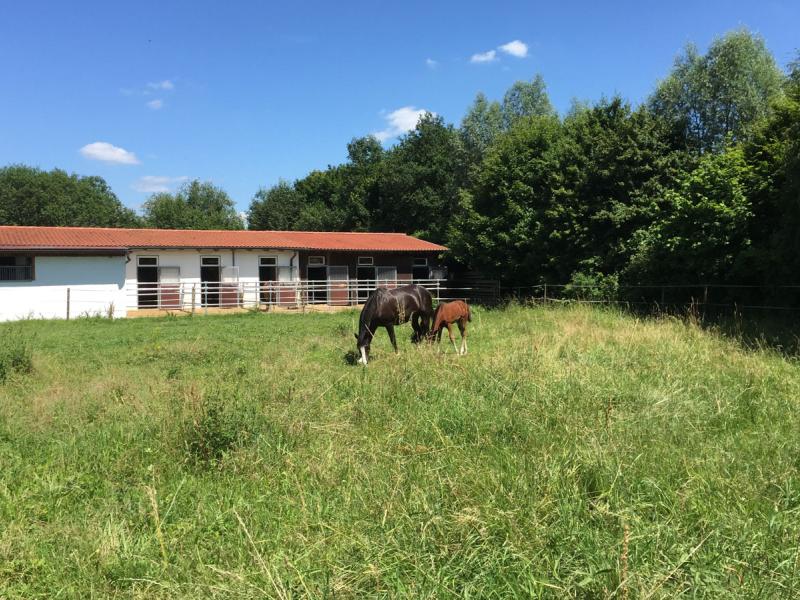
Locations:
{"points": [[63, 272]]}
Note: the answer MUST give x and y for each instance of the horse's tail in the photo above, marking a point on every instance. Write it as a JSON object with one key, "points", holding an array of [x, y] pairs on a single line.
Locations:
{"points": [[469, 313]]}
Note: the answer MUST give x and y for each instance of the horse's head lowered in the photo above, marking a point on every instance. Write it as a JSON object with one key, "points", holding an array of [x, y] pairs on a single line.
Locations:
{"points": [[365, 333]]}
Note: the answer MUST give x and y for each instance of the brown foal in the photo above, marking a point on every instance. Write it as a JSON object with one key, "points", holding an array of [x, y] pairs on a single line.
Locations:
{"points": [[446, 314]]}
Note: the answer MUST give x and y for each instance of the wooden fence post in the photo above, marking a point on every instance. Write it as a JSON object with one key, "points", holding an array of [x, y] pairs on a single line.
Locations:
{"points": [[194, 288], [545, 293], [68, 301]]}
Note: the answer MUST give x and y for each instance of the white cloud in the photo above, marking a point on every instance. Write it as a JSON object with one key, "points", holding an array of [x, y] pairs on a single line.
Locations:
{"points": [[161, 85], [484, 57], [109, 153], [150, 184], [155, 104], [399, 121], [431, 64], [515, 48]]}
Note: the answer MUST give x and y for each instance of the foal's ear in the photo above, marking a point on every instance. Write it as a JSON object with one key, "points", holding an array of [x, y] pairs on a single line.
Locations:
{"points": [[355, 335]]}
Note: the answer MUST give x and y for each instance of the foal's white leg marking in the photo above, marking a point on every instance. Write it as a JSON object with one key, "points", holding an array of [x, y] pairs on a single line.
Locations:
{"points": [[363, 359]]}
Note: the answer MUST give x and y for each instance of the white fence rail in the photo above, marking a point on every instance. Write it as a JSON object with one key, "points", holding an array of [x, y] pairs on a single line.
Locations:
{"points": [[196, 297], [288, 294]]}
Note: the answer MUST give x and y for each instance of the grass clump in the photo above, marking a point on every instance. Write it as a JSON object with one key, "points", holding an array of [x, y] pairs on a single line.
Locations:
{"points": [[219, 421], [16, 354]]}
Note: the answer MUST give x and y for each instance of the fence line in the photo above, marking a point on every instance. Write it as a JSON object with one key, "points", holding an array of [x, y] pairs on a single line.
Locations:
{"points": [[299, 294], [701, 296]]}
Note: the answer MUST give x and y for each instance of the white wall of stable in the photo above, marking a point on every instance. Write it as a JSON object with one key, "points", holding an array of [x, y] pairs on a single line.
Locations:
{"points": [[99, 284], [96, 284], [188, 262]]}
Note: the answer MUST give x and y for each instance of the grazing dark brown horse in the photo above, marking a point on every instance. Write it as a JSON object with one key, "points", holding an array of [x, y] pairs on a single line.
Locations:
{"points": [[389, 307], [448, 313]]}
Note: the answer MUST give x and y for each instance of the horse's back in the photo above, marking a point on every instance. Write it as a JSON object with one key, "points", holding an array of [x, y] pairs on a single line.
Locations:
{"points": [[452, 311], [423, 300]]}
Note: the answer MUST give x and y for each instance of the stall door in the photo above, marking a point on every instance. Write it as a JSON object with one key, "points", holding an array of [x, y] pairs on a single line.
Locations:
{"points": [[209, 280], [229, 292], [419, 270], [169, 287], [366, 282], [267, 276], [338, 284], [287, 286], [386, 276], [147, 281], [317, 284]]}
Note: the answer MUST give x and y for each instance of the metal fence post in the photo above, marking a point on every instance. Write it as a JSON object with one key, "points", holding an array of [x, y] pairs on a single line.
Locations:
{"points": [[194, 290], [68, 302], [545, 293]]}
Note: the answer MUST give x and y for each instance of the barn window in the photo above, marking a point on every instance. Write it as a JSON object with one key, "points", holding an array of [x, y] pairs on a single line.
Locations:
{"points": [[267, 261], [365, 261], [420, 262], [16, 268], [209, 261], [316, 261], [147, 261]]}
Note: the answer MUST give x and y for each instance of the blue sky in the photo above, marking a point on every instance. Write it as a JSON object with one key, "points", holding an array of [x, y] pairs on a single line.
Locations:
{"points": [[145, 94]]}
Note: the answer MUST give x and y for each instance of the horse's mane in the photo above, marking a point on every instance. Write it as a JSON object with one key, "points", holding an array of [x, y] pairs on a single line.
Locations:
{"points": [[372, 304]]}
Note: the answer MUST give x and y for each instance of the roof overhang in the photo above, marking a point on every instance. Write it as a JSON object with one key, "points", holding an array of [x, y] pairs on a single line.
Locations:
{"points": [[77, 251], [295, 249]]}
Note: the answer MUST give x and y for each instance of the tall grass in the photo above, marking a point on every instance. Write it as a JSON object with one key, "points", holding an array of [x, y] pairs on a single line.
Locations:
{"points": [[574, 452], [16, 356]]}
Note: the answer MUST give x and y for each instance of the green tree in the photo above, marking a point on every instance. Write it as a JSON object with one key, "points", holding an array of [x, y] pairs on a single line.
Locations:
{"points": [[615, 164], [30, 196], [418, 183], [321, 210], [526, 99], [704, 228], [556, 200], [774, 155], [481, 126], [716, 97], [502, 223], [197, 205], [275, 208]]}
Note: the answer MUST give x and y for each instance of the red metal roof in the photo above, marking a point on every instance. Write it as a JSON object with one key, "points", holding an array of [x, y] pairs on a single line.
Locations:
{"points": [[14, 237]]}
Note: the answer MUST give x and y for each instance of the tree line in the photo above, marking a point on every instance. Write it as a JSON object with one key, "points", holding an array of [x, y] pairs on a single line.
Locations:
{"points": [[698, 184]]}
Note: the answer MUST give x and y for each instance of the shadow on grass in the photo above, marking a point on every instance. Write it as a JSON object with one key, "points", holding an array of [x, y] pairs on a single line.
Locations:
{"points": [[776, 329], [350, 358], [753, 329], [780, 333]]}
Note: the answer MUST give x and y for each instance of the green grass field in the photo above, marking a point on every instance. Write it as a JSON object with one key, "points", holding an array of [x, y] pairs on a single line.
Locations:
{"points": [[574, 452]]}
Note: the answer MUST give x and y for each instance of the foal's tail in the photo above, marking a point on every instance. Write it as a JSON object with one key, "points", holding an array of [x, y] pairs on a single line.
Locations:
{"points": [[469, 313]]}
